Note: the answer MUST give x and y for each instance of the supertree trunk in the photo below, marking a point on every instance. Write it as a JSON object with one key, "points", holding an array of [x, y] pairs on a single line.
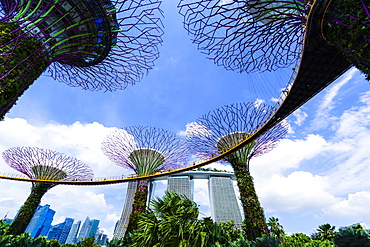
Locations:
{"points": [[19, 66], [138, 206], [25, 214], [348, 28], [220, 130], [254, 225]]}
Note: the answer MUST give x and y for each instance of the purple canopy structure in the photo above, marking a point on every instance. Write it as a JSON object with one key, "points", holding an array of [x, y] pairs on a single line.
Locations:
{"points": [[93, 44], [221, 129], [144, 150], [246, 36], [44, 164]]}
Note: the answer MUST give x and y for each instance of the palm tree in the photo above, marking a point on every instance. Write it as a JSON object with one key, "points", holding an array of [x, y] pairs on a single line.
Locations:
{"points": [[275, 228], [173, 221], [326, 232]]}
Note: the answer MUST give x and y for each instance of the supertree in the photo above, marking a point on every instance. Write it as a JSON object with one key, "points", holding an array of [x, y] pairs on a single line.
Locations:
{"points": [[93, 44], [348, 28], [246, 36], [44, 164], [144, 150], [223, 128]]}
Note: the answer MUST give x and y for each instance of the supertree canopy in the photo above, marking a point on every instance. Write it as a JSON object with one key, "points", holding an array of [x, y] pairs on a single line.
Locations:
{"points": [[246, 36], [348, 28], [93, 44], [221, 129], [144, 150], [44, 164]]}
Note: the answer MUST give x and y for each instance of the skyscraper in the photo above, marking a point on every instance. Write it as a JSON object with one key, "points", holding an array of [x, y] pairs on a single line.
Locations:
{"points": [[65, 230], [85, 229], [55, 231], [223, 201], [100, 237], [41, 221], [182, 185], [127, 208], [72, 236], [93, 228]]}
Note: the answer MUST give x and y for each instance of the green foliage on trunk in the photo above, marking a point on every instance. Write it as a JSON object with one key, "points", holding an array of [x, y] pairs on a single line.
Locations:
{"points": [[352, 35], [254, 224], [138, 206], [25, 215], [20, 65]]}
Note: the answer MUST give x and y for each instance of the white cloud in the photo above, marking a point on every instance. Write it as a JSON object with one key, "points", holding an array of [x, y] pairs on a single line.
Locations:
{"points": [[258, 102], [288, 154], [356, 120], [201, 192], [112, 218], [195, 129], [355, 207], [323, 116], [78, 140], [219, 166], [299, 191], [300, 116], [224, 2], [4, 199]]}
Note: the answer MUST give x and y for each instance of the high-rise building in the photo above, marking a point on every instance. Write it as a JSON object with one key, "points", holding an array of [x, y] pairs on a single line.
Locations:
{"points": [[72, 236], [41, 221], [127, 208], [65, 230], [103, 240], [221, 193], [182, 185], [93, 228], [115, 227], [223, 202], [100, 237], [55, 231], [85, 229]]}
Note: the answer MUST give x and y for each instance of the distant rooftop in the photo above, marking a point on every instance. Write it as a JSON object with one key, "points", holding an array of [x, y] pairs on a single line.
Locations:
{"points": [[201, 173]]}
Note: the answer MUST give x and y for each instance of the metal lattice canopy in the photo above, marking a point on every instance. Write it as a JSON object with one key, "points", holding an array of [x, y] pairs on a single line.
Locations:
{"points": [[225, 127], [45, 164], [146, 149], [93, 44], [246, 36]]}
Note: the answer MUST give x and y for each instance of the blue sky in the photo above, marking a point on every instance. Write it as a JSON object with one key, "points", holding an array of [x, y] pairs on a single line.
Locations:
{"points": [[318, 174]]}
